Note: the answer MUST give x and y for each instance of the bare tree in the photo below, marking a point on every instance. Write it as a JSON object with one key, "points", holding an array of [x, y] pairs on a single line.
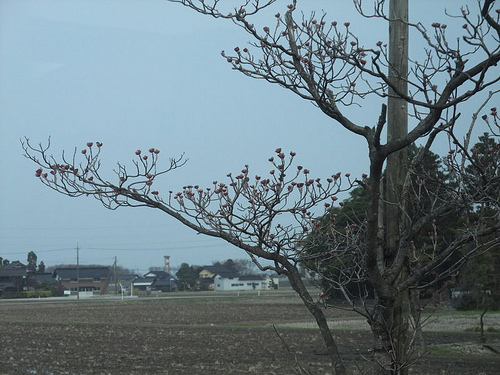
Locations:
{"points": [[271, 217]]}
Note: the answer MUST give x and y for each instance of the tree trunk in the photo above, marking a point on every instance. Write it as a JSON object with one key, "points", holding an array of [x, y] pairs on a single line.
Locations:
{"points": [[319, 316]]}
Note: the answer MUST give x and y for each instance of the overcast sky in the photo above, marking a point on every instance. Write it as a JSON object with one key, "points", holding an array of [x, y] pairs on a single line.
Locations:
{"points": [[135, 74]]}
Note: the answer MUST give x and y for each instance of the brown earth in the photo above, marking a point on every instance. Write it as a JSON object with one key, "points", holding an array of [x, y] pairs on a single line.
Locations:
{"points": [[229, 335]]}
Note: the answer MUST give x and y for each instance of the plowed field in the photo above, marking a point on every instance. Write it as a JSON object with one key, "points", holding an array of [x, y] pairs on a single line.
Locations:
{"points": [[228, 335]]}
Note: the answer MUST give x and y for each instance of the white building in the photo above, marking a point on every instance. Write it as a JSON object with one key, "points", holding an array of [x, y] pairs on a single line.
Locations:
{"points": [[250, 282]]}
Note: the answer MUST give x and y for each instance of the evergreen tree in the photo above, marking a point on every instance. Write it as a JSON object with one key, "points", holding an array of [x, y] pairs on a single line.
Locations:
{"points": [[32, 261]]}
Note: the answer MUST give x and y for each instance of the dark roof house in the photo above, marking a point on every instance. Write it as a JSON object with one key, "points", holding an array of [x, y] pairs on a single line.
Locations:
{"points": [[223, 271], [13, 276], [83, 279]]}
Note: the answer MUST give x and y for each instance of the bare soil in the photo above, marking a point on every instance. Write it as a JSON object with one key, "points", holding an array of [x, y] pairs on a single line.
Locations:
{"points": [[229, 335]]}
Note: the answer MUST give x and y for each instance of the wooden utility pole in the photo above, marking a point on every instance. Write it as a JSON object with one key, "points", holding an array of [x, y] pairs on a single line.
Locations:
{"points": [[397, 167], [114, 277], [77, 272], [397, 119]]}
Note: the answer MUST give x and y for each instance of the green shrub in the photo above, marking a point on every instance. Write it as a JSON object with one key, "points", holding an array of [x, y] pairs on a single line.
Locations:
{"points": [[28, 294]]}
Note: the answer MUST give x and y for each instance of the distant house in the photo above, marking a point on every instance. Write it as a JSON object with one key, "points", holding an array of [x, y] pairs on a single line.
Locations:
{"points": [[143, 283], [14, 277], [92, 280], [223, 278], [209, 272], [156, 281], [125, 281]]}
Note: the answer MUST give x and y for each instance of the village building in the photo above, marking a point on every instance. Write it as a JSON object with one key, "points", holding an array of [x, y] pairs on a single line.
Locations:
{"points": [[83, 280], [14, 277], [226, 278]]}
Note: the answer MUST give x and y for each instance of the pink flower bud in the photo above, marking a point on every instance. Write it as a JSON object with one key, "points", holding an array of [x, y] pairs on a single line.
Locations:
{"points": [[99, 144], [347, 24], [84, 151], [138, 152], [156, 151], [151, 150], [89, 144]]}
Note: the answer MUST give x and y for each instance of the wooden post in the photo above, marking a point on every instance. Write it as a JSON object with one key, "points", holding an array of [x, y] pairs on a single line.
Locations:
{"points": [[397, 168]]}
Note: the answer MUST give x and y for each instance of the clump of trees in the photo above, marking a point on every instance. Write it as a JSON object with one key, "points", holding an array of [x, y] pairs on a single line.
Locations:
{"points": [[398, 247], [187, 276]]}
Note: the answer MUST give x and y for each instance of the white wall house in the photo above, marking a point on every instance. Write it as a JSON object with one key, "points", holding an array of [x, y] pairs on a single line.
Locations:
{"points": [[224, 283]]}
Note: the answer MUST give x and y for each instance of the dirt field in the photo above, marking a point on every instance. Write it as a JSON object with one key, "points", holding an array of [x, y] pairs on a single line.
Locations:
{"points": [[229, 335]]}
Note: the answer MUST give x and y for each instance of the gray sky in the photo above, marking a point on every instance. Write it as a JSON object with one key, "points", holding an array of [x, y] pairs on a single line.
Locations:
{"points": [[138, 74]]}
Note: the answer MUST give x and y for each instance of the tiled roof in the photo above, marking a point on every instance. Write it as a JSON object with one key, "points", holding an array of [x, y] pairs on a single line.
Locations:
{"points": [[223, 271], [13, 269], [83, 272], [157, 274], [251, 277]]}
